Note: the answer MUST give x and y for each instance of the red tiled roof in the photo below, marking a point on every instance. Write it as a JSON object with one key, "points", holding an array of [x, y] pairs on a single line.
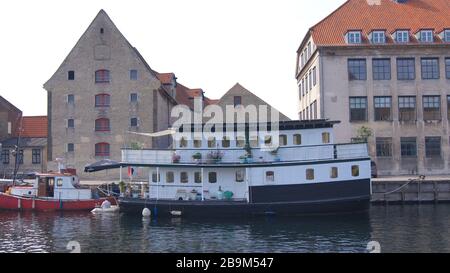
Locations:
{"points": [[209, 101], [385, 15], [183, 96], [34, 126], [165, 78]]}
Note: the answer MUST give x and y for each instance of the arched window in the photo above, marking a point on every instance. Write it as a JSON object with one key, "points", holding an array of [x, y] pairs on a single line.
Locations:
{"points": [[102, 125], [102, 76], [102, 149], [102, 100]]}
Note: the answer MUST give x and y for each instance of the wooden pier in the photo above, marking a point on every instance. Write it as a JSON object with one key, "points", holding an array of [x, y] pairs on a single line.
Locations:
{"points": [[410, 190]]}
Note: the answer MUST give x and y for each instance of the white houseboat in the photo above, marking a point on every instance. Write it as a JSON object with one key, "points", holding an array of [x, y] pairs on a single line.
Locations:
{"points": [[225, 176]]}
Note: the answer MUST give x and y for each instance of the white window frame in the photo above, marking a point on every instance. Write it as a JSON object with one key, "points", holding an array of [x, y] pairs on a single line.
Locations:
{"points": [[424, 35], [446, 36], [378, 37], [400, 36], [354, 37]]}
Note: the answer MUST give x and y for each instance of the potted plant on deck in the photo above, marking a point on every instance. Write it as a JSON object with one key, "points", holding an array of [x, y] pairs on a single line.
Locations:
{"points": [[215, 156], [197, 157], [176, 158], [122, 188]]}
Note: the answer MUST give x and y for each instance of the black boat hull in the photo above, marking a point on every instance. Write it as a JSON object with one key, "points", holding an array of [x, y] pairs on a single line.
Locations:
{"points": [[333, 197]]}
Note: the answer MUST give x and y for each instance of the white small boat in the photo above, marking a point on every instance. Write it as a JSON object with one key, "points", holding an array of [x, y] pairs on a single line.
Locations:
{"points": [[105, 209]]}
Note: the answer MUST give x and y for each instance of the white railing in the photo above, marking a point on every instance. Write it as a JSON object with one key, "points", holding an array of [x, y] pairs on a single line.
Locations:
{"points": [[300, 153]]}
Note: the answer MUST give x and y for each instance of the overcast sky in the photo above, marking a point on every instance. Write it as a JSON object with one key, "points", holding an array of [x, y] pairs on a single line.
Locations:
{"points": [[208, 44]]}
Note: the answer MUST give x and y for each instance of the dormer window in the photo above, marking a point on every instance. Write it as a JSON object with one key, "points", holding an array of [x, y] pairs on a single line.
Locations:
{"points": [[378, 37], [402, 36], [354, 37], [426, 36], [446, 36]]}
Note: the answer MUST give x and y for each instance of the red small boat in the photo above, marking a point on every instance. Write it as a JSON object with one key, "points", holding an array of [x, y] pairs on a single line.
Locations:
{"points": [[52, 192]]}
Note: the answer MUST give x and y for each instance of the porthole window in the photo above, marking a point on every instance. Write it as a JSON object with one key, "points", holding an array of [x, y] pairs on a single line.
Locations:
{"points": [[355, 170], [310, 174], [212, 177], [334, 172]]}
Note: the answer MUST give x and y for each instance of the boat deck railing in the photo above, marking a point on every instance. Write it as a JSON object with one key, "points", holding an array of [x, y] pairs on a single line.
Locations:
{"points": [[233, 156]]}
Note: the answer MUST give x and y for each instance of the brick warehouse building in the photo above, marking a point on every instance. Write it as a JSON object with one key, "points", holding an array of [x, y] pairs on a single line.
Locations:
{"points": [[383, 65]]}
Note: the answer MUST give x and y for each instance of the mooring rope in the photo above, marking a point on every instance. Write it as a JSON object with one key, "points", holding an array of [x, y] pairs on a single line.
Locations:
{"points": [[421, 178]]}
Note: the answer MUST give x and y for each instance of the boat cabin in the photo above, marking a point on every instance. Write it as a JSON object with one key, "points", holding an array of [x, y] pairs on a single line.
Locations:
{"points": [[221, 166], [59, 186]]}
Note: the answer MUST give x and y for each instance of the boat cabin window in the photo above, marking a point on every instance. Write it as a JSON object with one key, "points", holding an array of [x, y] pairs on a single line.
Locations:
{"points": [[59, 182], [183, 142], [297, 139], [240, 176], [225, 142], [254, 142], [268, 140], [283, 140], [334, 172], [197, 143], [326, 137], [270, 176], [184, 178], [170, 177], [355, 170], [212, 142], [197, 177], [310, 174], [155, 177], [212, 177], [240, 142]]}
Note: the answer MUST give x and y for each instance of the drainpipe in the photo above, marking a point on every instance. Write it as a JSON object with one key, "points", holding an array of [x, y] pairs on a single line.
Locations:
{"points": [[322, 85]]}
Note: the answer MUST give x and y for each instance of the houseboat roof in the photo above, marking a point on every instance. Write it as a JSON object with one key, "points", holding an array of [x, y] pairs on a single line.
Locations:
{"points": [[282, 125]]}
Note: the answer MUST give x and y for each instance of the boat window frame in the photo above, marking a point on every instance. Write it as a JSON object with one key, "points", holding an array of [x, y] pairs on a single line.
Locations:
{"points": [[239, 173], [184, 181], [334, 175], [270, 176], [297, 139], [212, 181], [308, 173], [355, 171], [171, 181], [58, 184]]}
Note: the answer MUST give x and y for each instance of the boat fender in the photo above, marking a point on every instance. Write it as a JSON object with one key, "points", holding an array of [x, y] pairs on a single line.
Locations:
{"points": [[146, 212]]}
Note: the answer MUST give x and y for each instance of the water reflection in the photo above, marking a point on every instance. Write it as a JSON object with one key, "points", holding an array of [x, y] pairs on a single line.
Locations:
{"points": [[397, 228]]}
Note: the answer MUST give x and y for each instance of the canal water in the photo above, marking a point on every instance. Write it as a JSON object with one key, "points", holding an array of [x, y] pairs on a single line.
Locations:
{"points": [[409, 228]]}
